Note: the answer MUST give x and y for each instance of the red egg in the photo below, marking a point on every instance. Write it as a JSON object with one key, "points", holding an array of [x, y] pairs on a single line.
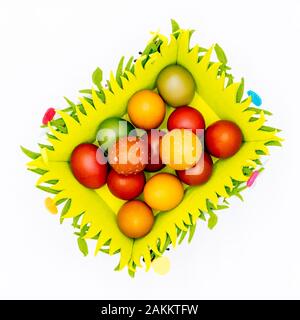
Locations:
{"points": [[89, 166], [186, 118], [199, 174], [223, 139], [153, 139], [126, 187]]}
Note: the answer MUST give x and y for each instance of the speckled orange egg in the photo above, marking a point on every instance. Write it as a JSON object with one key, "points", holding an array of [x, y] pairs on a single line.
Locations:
{"points": [[128, 155]]}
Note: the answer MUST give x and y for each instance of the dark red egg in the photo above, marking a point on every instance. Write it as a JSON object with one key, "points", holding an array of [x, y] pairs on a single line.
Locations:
{"points": [[186, 118], [154, 139], [126, 187], [89, 166], [199, 174], [223, 139]]}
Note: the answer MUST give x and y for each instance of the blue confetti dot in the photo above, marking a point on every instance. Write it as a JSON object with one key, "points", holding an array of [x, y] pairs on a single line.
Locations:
{"points": [[256, 99]]}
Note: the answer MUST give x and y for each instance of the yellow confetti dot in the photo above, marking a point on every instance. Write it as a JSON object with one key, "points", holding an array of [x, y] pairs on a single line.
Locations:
{"points": [[161, 265], [51, 206]]}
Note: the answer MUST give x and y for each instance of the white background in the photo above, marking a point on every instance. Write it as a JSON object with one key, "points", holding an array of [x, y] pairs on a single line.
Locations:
{"points": [[49, 49]]}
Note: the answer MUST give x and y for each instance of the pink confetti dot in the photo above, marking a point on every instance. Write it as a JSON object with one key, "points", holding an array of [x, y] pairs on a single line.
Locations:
{"points": [[48, 116], [252, 178]]}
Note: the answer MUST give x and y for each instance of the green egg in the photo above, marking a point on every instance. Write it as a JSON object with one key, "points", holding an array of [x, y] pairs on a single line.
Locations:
{"points": [[112, 129], [176, 85]]}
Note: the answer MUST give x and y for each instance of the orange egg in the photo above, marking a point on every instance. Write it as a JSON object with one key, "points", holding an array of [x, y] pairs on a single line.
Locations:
{"points": [[146, 109], [135, 219], [163, 192], [180, 149]]}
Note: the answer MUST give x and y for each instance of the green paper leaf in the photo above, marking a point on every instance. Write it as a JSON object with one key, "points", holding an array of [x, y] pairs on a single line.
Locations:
{"points": [[132, 272], [47, 189], [68, 109], [182, 236], [268, 129], [84, 230], [119, 71], [46, 146], [58, 122], [86, 91], [191, 32], [230, 80], [52, 181], [258, 111], [274, 143], [60, 201], [109, 85], [247, 171], [75, 222], [175, 26], [70, 103], [167, 243], [201, 49], [38, 171], [240, 92], [101, 95], [202, 216], [97, 77], [66, 207], [30, 154], [222, 207], [89, 100], [107, 252], [51, 136], [150, 47], [192, 232], [129, 63], [212, 221], [220, 54], [239, 196], [83, 246], [257, 161], [253, 119]]}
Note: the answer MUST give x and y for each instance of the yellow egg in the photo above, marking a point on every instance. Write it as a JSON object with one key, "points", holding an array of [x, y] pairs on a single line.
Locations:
{"points": [[163, 192], [180, 149], [161, 265]]}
